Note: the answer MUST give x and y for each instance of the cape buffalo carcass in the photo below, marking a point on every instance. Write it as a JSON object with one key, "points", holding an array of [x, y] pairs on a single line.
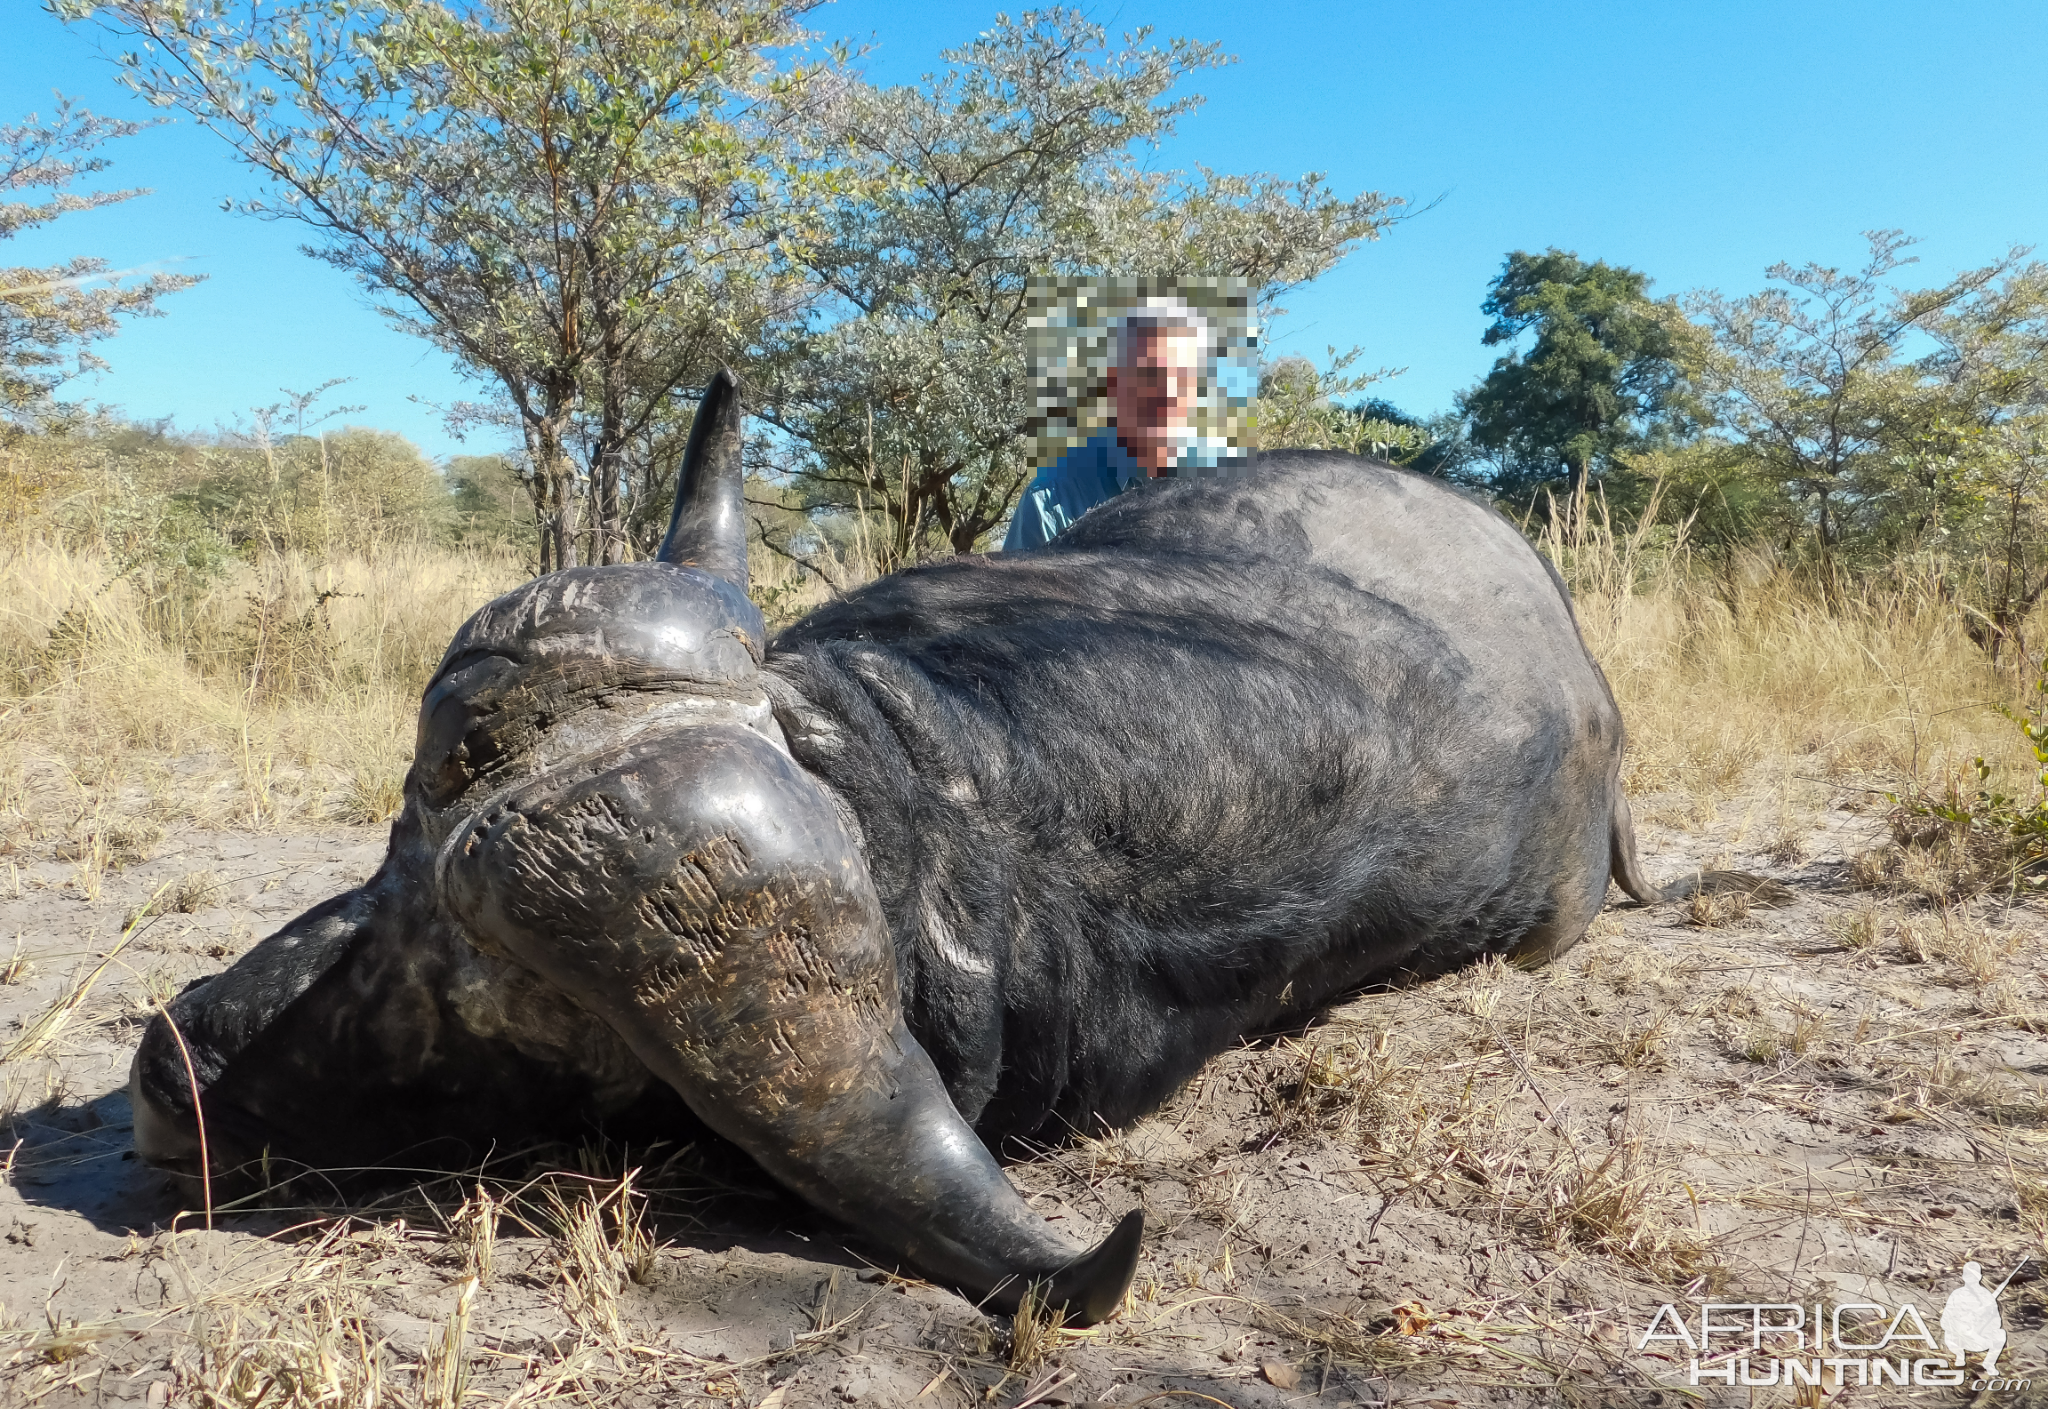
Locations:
{"points": [[1000, 847]]}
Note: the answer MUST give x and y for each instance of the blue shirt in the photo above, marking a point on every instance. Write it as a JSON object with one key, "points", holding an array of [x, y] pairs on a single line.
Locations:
{"points": [[1097, 469]]}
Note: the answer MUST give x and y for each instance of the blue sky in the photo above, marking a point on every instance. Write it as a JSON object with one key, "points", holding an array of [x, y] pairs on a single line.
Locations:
{"points": [[1698, 142]]}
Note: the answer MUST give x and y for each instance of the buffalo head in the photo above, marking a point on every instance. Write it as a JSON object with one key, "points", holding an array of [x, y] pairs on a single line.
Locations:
{"points": [[608, 865]]}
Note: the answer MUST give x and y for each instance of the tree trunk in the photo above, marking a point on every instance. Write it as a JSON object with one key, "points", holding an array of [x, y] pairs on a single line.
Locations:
{"points": [[608, 454], [1831, 588], [553, 491], [607, 527], [536, 486], [961, 534], [607, 476], [564, 503]]}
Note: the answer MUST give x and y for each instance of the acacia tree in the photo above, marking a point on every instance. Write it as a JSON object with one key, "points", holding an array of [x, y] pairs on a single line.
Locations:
{"points": [[54, 314], [1300, 406], [1972, 477], [583, 200], [1601, 378], [910, 392], [1810, 379]]}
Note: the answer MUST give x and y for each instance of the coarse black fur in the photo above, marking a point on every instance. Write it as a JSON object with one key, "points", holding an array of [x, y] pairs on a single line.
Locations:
{"points": [[1219, 755], [1188, 774]]}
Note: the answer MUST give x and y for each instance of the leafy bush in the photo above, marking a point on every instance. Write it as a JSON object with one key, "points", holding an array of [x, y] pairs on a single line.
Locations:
{"points": [[1989, 835]]}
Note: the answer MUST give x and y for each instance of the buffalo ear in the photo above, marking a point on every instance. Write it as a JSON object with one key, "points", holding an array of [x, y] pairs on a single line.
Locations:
{"points": [[709, 527]]}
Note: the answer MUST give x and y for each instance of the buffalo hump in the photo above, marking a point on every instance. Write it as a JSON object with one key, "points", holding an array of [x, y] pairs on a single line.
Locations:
{"points": [[1217, 755], [1000, 846]]}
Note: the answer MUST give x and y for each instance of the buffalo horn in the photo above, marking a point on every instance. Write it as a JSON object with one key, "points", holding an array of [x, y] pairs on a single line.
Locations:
{"points": [[708, 529], [738, 946]]}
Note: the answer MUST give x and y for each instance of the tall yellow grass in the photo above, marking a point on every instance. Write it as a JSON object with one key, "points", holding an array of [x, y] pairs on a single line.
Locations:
{"points": [[285, 693], [1736, 673]]}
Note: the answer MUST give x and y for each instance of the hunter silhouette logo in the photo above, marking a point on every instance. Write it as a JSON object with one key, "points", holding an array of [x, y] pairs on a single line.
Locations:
{"points": [[1971, 1320], [1753, 1344]]}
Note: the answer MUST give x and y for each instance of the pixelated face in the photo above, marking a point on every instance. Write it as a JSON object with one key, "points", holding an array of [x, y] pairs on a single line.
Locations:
{"points": [[1154, 388]]}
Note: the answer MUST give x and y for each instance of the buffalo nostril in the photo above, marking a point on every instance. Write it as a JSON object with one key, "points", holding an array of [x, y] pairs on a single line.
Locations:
{"points": [[166, 1135], [161, 1137]]}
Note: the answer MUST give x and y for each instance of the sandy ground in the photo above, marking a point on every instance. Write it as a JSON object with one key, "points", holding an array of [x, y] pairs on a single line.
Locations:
{"points": [[1474, 1191]]}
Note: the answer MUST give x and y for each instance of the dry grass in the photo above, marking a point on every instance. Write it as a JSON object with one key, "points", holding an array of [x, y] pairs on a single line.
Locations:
{"points": [[188, 895], [1034, 1334], [473, 1233], [293, 1320], [292, 1330], [1466, 1126], [124, 727], [2008, 1002], [1711, 911], [17, 967], [39, 1033], [1493, 1107], [1728, 664], [277, 686], [1623, 1201], [1637, 1042], [300, 1346], [283, 686], [444, 1372], [600, 1247]]}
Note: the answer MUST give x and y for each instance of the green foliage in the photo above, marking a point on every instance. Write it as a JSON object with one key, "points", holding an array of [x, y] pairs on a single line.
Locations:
{"points": [[1298, 407], [173, 512], [100, 485], [1863, 460], [1847, 424], [911, 391], [1600, 380], [338, 491], [1711, 485], [51, 316], [2003, 832], [491, 504], [586, 201], [1810, 379]]}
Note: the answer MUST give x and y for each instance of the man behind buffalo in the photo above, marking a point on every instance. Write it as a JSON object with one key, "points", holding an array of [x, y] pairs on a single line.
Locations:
{"points": [[1159, 353]]}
